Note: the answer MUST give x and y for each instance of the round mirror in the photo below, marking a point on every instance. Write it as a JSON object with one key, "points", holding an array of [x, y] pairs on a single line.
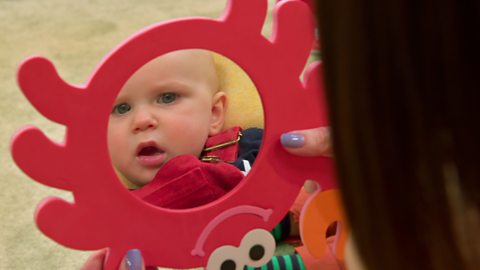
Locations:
{"points": [[185, 129]]}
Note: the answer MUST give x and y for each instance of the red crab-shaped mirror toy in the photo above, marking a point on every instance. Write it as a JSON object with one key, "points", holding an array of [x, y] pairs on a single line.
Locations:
{"points": [[104, 214]]}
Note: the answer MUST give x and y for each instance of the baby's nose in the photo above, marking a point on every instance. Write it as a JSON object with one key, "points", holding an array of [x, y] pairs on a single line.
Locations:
{"points": [[144, 120]]}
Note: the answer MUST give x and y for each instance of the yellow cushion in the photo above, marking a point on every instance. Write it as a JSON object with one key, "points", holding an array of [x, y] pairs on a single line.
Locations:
{"points": [[244, 107]]}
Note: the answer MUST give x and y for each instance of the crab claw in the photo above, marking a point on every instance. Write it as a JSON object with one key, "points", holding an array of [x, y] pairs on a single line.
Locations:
{"points": [[293, 31], [238, 11], [30, 147], [74, 229], [315, 87], [48, 93]]}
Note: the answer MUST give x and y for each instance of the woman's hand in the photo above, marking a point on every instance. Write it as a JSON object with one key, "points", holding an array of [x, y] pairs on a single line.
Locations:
{"points": [[308, 142], [313, 142], [132, 261]]}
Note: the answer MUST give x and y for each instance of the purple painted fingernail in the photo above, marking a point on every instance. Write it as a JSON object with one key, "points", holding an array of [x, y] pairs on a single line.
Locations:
{"points": [[134, 260], [292, 140]]}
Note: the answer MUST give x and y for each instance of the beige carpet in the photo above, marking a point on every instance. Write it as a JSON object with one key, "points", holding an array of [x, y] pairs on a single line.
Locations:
{"points": [[75, 35]]}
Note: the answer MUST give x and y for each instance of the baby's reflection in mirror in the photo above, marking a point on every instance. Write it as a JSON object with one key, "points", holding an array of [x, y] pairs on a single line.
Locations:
{"points": [[166, 138]]}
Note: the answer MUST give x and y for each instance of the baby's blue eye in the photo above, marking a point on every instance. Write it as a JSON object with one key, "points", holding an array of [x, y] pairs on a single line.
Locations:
{"points": [[167, 98], [121, 108]]}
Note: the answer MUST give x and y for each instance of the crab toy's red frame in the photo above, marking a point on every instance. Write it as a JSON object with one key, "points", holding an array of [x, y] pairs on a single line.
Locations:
{"points": [[103, 213]]}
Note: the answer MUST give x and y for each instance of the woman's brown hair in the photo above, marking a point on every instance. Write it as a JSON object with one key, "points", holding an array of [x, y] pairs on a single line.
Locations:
{"points": [[403, 88]]}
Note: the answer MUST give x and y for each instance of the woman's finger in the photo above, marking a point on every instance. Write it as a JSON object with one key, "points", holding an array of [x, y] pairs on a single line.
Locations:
{"points": [[95, 261], [133, 261], [308, 142]]}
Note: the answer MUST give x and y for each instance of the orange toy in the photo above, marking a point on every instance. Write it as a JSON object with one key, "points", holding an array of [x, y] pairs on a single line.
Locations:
{"points": [[321, 210]]}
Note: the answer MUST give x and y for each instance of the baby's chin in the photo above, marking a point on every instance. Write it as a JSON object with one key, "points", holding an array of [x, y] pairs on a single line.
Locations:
{"points": [[132, 184], [139, 181], [147, 176]]}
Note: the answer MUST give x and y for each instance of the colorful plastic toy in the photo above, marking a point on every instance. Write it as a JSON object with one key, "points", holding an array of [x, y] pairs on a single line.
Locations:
{"points": [[104, 214], [321, 210]]}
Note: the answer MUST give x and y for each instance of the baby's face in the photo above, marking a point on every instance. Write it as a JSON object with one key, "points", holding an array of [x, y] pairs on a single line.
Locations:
{"points": [[167, 108]]}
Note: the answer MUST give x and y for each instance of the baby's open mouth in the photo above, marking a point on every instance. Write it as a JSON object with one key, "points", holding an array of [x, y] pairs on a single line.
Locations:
{"points": [[149, 151], [150, 155]]}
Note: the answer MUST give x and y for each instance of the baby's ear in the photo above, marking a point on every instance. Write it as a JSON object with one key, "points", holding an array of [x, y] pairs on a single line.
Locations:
{"points": [[219, 107]]}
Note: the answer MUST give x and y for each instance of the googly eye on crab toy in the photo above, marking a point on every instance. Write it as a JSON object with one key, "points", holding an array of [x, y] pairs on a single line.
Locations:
{"points": [[229, 232]]}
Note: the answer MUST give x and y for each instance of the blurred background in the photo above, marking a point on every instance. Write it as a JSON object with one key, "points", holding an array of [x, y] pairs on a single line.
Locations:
{"points": [[75, 36]]}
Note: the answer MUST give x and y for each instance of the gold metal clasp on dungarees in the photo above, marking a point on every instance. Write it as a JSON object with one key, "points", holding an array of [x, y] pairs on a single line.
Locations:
{"points": [[208, 158]]}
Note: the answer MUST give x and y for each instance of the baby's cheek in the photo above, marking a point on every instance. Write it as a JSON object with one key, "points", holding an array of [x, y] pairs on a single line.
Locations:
{"points": [[116, 144], [116, 137], [112, 149], [191, 138], [195, 143]]}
